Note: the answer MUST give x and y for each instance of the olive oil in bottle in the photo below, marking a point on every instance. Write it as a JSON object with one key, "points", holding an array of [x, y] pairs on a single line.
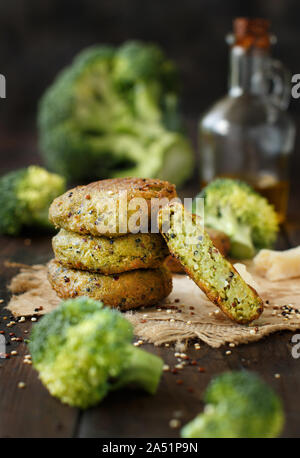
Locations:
{"points": [[248, 134]]}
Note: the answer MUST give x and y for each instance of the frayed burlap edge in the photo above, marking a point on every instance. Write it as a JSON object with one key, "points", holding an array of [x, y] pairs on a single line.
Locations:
{"points": [[186, 314]]}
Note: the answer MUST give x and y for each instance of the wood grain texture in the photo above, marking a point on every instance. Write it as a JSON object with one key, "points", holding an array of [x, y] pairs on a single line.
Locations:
{"points": [[32, 412]]}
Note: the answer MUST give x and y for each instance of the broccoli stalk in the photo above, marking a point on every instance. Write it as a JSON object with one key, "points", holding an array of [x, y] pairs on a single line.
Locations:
{"points": [[244, 215], [238, 405], [83, 351], [241, 244], [25, 197], [143, 370]]}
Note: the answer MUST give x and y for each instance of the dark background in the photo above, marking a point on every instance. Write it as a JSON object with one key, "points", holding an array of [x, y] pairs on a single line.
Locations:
{"points": [[38, 38]]}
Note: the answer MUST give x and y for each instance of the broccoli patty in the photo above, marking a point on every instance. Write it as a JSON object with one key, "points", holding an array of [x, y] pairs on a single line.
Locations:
{"points": [[220, 241], [102, 207], [128, 290], [188, 241], [109, 256]]}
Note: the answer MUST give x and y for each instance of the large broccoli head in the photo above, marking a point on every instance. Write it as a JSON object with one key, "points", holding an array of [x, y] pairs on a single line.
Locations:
{"points": [[25, 197], [83, 350], [238, 405], [113, 112], [233, 207]]}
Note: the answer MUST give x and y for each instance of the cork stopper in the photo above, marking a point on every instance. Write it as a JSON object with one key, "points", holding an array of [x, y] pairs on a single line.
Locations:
{"points": [[251, 33]]}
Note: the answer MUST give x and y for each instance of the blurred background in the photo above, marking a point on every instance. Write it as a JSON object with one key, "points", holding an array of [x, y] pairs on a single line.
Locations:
{"points": [[39, 38]]}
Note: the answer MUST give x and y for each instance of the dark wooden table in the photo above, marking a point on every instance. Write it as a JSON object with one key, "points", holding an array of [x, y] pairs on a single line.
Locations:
{"points": [[32, 412]]}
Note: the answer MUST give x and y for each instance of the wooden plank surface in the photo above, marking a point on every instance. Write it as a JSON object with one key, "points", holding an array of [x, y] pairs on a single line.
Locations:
{"points": [[32, 412], [28, 412]]}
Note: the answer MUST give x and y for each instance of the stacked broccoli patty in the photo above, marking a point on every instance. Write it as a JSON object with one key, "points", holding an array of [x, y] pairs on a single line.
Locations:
{"points": [[96, 253]]}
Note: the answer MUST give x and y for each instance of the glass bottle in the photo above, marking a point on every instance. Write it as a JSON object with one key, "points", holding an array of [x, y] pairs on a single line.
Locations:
{"points": [[249, 134]]}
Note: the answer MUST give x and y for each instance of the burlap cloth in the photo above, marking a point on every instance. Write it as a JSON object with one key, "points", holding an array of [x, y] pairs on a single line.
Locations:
{"points": [[186, 314]]}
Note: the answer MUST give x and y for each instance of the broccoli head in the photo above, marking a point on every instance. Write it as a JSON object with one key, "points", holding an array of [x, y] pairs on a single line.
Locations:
{"points": [[25, 197], [233, 207], [238, 405], [83, 350], [113, 112]]}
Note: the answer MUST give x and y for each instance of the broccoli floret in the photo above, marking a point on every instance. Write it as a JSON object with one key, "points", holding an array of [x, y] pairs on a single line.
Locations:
{"points": [[83, 350], [233, 207], [25, 197], [238, 405], [108, 94]]}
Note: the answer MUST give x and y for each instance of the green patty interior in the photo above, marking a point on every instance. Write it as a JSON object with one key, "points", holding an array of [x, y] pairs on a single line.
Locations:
{"points": [[190, 243]]}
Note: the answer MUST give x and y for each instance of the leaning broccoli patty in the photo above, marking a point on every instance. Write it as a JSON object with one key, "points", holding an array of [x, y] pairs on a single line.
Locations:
{"points": [[218, 238], [128, 290], [109, 256], [203, 262], [106, 207]]}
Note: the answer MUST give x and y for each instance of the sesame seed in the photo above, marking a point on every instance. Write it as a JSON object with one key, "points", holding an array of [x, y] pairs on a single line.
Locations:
{"points": [[172, 320], [166, 367], [179, 366], [33, 318], [14, 353], [189, 322], [174, 423], [167, 345], [10, 324], [228, 352], [21, 385], [1, 301], [22, 319], [252, 331], [217, 312], [232, 345], [169, 311], [277, 375]]}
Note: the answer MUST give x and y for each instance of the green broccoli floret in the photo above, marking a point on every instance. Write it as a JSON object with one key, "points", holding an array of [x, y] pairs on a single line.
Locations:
{"points": [[238, 405], [114, 112], [25, 197], [233, 207], [83, 350]]}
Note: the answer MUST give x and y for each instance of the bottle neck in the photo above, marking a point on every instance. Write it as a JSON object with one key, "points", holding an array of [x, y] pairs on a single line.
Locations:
{"points": [[248, 71]]}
